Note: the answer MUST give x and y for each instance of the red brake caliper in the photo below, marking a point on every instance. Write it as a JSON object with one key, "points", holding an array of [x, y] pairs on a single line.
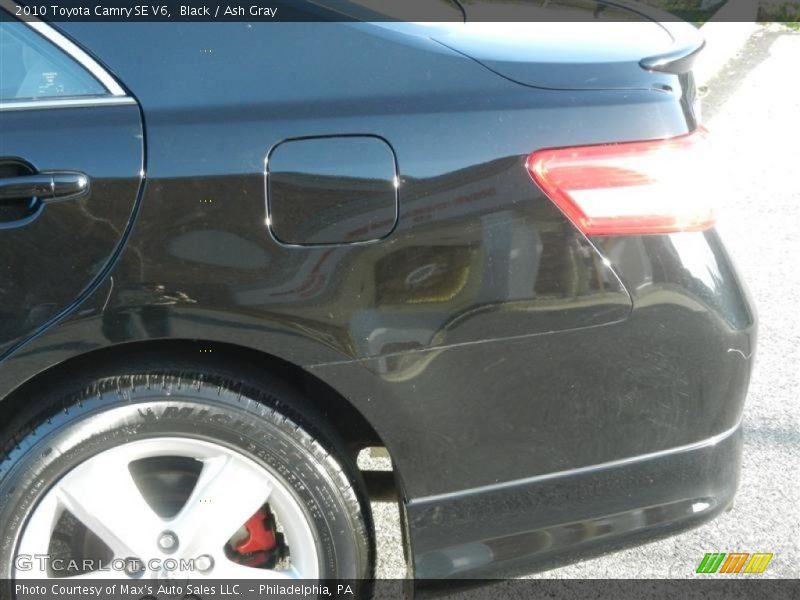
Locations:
{"points": [[257, 548]]}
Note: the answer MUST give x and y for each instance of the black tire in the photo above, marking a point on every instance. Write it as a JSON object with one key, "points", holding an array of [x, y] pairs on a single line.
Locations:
{"points": [[315, 467]]}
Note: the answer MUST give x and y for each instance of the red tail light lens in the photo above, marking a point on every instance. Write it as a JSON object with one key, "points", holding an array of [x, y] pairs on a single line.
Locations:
{"points": [[630, 188]]}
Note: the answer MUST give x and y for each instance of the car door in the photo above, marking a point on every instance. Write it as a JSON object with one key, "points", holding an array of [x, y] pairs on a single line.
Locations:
{"points": [[71, 164]]}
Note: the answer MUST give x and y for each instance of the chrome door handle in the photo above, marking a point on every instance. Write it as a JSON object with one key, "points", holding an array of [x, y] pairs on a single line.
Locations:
{"points": [[46, 186]]}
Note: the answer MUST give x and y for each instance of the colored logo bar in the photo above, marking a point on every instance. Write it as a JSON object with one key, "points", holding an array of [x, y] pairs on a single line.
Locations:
{"points": [[735, 562]]}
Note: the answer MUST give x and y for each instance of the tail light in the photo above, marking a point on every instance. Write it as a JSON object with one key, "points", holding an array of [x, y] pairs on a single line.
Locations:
{"points": [[630, 188]]}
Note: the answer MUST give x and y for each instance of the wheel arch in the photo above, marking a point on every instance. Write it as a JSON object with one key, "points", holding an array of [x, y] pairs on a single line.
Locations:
{"points": [[219, 358], [196, 355]]}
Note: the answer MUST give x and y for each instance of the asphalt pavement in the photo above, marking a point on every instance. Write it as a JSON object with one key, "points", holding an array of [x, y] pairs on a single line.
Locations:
{"points": [[752, 110]]}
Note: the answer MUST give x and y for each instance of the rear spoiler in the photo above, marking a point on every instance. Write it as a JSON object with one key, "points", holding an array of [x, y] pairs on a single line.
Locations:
{"points": [[679, 59]]}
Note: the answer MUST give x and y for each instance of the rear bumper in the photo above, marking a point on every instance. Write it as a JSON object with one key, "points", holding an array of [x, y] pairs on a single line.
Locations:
{"points": [[537, 523], [526, 452]]}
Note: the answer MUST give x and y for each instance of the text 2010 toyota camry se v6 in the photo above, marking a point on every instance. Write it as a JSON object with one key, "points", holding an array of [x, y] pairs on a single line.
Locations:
{"points": [[234, 255]]}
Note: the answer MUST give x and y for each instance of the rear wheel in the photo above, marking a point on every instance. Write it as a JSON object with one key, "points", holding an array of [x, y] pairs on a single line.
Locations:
{"points": [[162, 476]]}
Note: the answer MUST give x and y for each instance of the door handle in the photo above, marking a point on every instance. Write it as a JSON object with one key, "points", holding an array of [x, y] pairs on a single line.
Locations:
{"points": [[46, 186]]}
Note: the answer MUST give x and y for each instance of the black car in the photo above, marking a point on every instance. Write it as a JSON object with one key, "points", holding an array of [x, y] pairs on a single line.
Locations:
{"points": [[237, 254]]}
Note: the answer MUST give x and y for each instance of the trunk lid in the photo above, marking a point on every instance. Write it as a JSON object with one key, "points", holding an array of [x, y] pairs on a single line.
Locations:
{"points": [[573, 44]]}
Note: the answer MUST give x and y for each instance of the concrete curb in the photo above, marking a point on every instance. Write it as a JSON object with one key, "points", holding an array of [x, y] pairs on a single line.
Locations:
{"points": [[725, 33]]}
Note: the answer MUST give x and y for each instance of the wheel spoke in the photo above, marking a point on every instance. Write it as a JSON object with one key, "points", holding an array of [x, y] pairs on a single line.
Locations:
{"points": [[35, 540], [228, 492], [102, 494]]}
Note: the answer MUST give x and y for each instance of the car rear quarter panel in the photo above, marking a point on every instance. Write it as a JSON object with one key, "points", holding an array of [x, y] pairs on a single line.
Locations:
{"points": [[486, 339]]}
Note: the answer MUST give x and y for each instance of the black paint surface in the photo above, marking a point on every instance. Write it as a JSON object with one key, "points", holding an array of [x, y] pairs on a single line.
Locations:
{"points": [[485, 339]]}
